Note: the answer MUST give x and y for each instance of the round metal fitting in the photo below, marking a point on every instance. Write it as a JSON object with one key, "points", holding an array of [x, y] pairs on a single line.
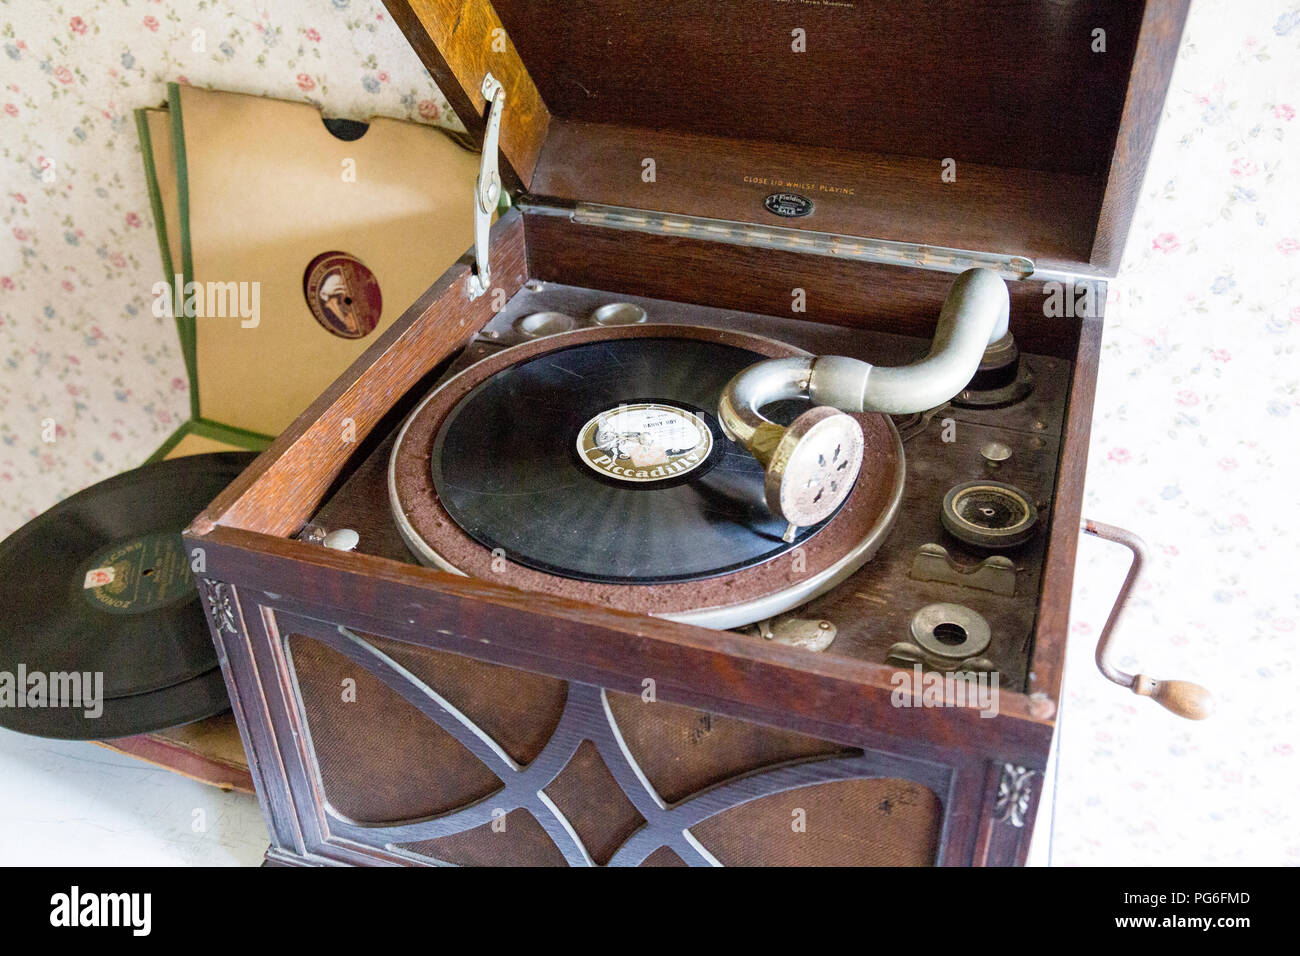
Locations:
{"points": [[995, 453], [541, 324], [619, 313], [814, 466], [950, 631], [989, 514], [342, 539]]}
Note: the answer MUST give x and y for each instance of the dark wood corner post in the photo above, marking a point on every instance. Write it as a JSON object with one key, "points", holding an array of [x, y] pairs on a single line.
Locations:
{"points": [[248, 690], [1011, 797]]}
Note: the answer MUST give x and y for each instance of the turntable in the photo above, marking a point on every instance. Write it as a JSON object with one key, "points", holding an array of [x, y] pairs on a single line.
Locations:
{"points": [[594, 466], [643, 535], [673, 470]]}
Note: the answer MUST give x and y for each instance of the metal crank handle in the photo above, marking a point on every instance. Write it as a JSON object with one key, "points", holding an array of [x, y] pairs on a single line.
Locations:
{"points": [[1178, 696]]}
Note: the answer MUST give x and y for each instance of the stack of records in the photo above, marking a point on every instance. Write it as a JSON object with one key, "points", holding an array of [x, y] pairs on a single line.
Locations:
{"points": [[104, 634]]}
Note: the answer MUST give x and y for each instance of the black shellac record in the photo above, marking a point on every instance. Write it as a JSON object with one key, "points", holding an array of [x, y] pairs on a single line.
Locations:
{"points": [[101, 583], [605, 462]]}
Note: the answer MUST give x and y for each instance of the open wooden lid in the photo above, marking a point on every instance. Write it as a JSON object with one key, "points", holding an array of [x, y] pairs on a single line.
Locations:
{"points": [[1015, 127]]}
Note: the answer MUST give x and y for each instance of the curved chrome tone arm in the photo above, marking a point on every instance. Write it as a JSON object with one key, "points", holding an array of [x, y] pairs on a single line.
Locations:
{"points": [[1179, 696], [974, 318], [756, 386]]}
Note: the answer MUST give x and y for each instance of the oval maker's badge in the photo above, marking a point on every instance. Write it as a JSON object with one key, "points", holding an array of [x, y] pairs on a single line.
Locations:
{"points": [[788, 205], [644, 442]]}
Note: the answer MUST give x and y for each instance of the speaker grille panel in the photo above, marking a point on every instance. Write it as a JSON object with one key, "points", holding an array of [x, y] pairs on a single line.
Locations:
{"points": [[682, 750], [876, 822], [663, 857], [517, 709], [520, 842], [750, 795], [380, 760], [590, 799]]}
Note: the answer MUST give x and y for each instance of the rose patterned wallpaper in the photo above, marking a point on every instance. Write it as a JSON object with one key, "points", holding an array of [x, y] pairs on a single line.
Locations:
{"points": [[1194, 444], [78, 253], [1195, 447]]}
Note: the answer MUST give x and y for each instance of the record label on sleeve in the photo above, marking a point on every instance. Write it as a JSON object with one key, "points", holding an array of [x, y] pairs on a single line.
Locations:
{"points": [[343, 295]]}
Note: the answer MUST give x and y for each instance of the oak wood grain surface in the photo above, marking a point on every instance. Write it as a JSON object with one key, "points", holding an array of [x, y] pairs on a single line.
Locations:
{"points": [[460, 42], [283, 486]]}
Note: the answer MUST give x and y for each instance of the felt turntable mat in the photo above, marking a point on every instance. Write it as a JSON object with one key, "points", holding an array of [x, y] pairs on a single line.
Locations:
{"points": [[427, 518], [505, 466], [267, 195]]}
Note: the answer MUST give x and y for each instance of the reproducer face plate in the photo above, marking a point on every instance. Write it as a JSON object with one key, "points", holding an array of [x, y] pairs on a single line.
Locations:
{"points": [[814, 466]]}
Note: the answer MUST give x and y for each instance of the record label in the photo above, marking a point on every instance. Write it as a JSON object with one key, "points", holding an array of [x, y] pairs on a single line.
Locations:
{"points": [[644, 442], [343, 295], [138, 576]]}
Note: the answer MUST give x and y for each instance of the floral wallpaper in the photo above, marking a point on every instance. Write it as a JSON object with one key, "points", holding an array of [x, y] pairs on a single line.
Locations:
{"points": [[91, 383], [1194, 444]]}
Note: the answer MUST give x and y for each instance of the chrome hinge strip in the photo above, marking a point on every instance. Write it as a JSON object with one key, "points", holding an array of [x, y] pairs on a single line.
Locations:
{"points": [[885, 251], [487, 190]]}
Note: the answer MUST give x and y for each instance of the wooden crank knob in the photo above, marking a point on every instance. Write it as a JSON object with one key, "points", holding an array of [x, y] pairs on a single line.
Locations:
{"points": [[1181, 697]]}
